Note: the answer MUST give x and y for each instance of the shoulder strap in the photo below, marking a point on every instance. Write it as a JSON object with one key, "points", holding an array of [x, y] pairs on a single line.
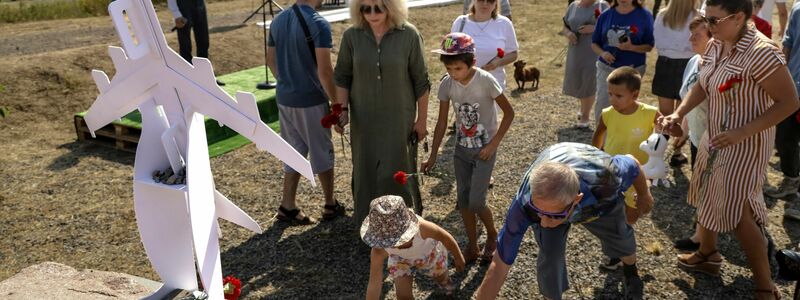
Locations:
{"points": [[307, 33], [463, 22]]}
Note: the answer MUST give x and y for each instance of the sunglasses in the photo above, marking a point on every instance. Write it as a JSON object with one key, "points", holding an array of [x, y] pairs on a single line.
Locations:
{"points": [[366, 9], [487, 1], [714, 21], [556, 216]]}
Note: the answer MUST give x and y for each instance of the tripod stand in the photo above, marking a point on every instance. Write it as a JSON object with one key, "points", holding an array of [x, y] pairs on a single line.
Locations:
{"points": [[266, 85]]}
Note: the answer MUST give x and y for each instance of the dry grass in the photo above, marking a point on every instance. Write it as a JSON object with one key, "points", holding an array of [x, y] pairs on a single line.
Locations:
{"points": [[71, 202], [37, 10], [23, 11]]}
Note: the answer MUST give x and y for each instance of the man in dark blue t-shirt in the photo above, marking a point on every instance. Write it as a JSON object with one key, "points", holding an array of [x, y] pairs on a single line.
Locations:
{"points": [[572, 183], [305, 87]]}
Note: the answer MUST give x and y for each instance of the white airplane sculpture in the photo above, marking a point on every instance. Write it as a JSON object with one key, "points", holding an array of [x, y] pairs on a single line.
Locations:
{"points": [[177, 223]]}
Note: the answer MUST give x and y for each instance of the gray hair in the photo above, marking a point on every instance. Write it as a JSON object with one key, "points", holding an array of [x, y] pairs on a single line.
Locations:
{"points": [[552, 180]]}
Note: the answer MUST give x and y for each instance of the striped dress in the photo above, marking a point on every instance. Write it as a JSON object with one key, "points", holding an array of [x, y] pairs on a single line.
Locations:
{"points": [[736, 173]]}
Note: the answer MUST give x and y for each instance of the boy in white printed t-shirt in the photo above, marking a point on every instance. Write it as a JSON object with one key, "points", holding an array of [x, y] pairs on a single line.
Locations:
{"points": [[473, 93]]}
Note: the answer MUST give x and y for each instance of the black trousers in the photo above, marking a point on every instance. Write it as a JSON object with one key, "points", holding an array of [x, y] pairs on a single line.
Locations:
{"points": [[195, 13], [787, 137]]}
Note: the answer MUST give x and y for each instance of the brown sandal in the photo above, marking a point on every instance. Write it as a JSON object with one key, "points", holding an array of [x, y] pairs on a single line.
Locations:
{"points": [[704, 265]]}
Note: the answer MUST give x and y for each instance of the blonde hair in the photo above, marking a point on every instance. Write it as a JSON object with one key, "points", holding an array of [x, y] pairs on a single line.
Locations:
{"points": [[494, 11], [396, 13], [676, 14], [552, 180]]}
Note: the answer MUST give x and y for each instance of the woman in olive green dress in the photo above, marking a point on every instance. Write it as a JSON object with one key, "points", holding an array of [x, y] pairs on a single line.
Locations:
{"points": [[382, 80]]}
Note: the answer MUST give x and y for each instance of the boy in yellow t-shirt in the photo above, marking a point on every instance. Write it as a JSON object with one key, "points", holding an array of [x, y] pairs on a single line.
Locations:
{"points": [[628, 122], [624, 125]]}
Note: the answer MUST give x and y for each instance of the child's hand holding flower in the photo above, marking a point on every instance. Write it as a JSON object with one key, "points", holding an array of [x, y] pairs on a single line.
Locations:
{"points": [[428, 165]]}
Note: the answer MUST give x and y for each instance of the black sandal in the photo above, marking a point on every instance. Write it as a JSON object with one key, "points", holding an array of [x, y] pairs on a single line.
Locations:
{"points": [[678, 159], [332, 211], [290, 216]]}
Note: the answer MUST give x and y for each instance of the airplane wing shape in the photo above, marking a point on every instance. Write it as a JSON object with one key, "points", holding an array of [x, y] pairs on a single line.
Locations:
{"points": [[229, 211]]}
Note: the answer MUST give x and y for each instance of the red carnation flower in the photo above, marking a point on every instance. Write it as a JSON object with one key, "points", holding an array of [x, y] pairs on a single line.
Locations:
{"points": [[634, 29], [336, 108], [596, 12], [729, 84], [401, 177], [333, 117], [724, 87], [500, 52], [329, 120], [232, 287]]}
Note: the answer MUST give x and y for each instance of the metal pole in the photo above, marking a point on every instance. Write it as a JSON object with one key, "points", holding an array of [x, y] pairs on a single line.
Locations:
{"points": [[266, 85]]}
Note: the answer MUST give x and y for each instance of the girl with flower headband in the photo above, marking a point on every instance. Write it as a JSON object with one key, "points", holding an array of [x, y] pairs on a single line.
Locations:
{"points": [[410, 243]]}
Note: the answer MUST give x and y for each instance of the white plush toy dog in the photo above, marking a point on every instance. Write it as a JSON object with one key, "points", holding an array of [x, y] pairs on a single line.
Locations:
{"points": [[655, 169]]}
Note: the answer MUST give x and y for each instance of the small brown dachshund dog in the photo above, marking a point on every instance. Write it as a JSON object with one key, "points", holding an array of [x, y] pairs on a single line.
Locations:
{"points": [[523, 74]]}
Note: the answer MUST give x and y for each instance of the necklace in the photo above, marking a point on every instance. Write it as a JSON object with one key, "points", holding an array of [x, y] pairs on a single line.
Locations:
{"points": [[478, 23]]}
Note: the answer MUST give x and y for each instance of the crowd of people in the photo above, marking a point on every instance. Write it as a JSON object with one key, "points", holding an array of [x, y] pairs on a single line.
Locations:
{"points": [[722, 84]]}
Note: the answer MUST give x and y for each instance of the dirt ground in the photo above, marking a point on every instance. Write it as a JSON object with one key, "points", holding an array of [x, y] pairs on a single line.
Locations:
{"points": [[71, 202]]}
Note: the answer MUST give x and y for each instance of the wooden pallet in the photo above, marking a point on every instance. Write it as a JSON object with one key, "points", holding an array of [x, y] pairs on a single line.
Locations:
{"points": [[113, 135]]}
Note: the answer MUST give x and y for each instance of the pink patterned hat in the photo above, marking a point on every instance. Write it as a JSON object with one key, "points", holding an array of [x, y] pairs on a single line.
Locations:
{"points": [[455, 43], [389, 223]]}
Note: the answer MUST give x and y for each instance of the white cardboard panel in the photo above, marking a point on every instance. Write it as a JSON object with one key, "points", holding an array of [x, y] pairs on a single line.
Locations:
{"points": [[166, 232], [229, 211], [202, 209]]}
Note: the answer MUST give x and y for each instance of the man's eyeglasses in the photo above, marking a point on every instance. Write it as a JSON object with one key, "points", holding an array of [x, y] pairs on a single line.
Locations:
{"points": [[557, 216], [487, 1], [367, 9], [714, 21]]}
